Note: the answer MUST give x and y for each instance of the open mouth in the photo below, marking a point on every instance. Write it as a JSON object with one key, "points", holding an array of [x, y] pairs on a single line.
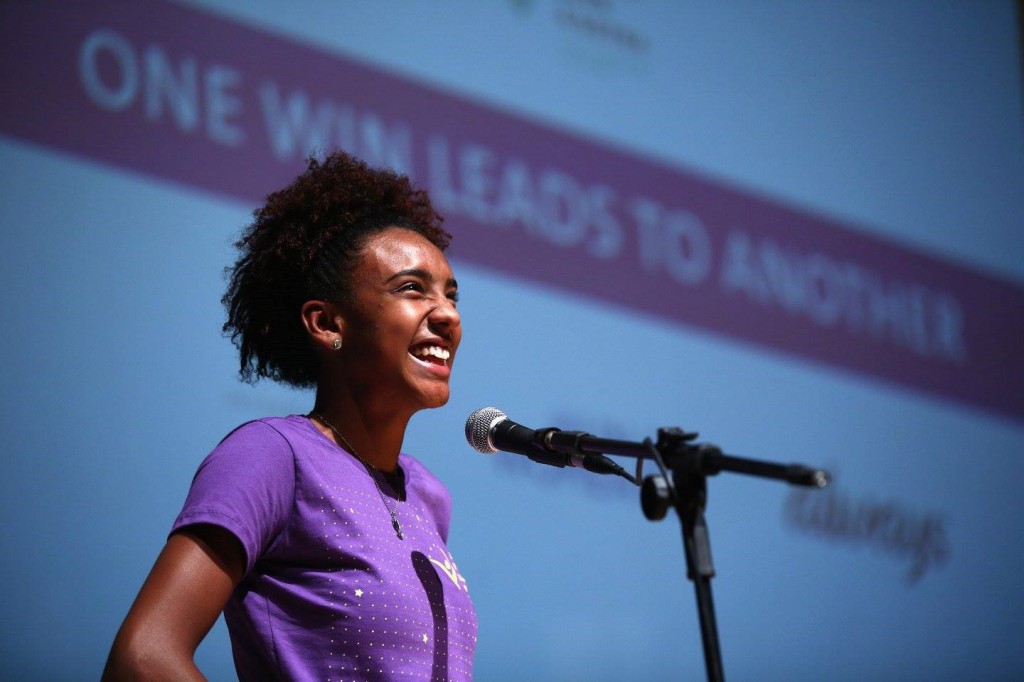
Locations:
{"points": [[430, 353]]}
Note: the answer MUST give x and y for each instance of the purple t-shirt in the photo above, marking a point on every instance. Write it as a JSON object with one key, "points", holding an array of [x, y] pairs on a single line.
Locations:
{"points": [[330, 592]]}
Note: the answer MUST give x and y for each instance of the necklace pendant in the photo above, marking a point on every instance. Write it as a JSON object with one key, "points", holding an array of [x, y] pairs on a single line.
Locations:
{"points": [[369, 469]]}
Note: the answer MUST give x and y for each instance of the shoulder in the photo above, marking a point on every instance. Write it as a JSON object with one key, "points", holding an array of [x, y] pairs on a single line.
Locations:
{"points": [[416, 471], [257, 454], [428, 490], [274, 429], [266, 438], [247, 483]]}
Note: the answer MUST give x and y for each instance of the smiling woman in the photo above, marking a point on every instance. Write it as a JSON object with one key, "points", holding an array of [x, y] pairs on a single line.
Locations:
{"points": [[322, 543]]}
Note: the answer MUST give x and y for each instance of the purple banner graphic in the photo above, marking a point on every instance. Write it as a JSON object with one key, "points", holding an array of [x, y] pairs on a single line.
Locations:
{"points": [[182, 95]]}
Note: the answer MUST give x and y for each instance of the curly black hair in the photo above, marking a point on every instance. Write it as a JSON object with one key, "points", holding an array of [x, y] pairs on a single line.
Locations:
{"points": [[304, 244]]}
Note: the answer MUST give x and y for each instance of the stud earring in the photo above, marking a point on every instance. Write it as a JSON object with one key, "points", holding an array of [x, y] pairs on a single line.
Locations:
{"points": [[336, 344]]}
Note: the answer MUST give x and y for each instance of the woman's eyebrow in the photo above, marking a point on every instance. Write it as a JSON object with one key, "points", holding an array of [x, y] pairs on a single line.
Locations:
{"points": [[410, 272], [422, 274]]}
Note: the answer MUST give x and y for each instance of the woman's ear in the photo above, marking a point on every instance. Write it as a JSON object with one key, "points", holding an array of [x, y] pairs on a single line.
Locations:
{"points": [[324, 324]]}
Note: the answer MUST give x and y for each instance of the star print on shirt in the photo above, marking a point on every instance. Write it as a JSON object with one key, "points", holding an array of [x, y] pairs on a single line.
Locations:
{"points": [[359, 593], [425, 638]]}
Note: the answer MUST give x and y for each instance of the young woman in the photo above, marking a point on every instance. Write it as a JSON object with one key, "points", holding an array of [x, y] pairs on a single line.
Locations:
{"points": [[322, 543]]}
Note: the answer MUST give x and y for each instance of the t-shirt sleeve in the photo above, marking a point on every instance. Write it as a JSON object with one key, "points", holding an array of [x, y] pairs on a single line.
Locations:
{"points": [[246, 486]]}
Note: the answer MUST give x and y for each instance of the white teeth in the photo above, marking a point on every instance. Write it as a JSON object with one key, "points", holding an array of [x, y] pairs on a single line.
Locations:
{"points": [[436, 351]]}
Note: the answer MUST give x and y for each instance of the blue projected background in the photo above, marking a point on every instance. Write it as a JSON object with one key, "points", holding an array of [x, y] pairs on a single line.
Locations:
{"points": [[902, 119]]}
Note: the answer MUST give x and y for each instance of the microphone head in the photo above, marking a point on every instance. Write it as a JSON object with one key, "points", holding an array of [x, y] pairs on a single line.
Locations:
{"points": [[478, 428]]}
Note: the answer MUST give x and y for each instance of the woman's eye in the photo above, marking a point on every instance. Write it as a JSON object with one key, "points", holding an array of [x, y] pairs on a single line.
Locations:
{"points": [[453, 296], [411, 286]]}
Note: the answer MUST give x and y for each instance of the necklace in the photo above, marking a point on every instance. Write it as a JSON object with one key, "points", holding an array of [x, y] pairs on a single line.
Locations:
{"points": [[370, 469]]}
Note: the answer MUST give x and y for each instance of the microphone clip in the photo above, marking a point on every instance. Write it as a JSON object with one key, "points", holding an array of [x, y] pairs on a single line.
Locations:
{"points": [[542, 453]]}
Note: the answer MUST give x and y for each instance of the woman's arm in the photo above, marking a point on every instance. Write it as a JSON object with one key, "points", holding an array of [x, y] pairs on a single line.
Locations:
{"points": [[180, 601]]}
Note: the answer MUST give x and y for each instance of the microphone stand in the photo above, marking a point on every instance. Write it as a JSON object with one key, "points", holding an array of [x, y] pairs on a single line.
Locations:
{"points": [[686, 491]]}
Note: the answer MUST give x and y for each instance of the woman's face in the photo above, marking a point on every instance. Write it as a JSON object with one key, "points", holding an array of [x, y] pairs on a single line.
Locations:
{"points": [[402, 331]]}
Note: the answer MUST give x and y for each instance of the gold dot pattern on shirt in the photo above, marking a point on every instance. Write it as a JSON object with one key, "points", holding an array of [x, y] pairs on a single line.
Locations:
{"points": [[383, 622]]}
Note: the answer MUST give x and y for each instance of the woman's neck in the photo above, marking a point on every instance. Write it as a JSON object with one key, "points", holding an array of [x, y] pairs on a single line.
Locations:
{"points": [[376, 436]]}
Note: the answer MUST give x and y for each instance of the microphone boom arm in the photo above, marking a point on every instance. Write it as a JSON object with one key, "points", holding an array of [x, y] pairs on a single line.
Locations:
{"points": [[674, 446]]}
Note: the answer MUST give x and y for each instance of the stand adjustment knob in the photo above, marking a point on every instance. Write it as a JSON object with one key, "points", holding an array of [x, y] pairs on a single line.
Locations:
{"points": [[655, 498]]}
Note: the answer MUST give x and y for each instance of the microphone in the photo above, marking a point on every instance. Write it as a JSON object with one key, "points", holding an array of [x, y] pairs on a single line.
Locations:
{"points": [[490, 430]]}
